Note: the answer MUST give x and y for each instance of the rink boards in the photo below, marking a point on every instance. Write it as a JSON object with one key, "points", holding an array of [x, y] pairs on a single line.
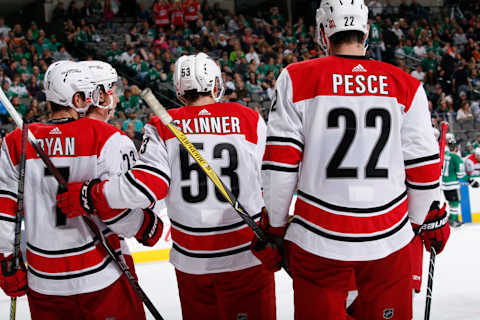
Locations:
{"points": [[470, 202]]}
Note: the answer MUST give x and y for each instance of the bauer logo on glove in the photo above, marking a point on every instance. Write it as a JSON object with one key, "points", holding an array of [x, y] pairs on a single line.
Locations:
{"points": [[435, 224]]}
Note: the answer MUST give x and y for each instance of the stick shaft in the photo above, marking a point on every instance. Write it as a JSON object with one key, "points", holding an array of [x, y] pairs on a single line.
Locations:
{"points": [[433, 253], [19, 215]]}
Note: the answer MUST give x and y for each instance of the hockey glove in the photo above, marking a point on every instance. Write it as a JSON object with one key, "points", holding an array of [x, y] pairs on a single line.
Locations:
{"points": [[473, 183], [12, 281], [151, 229], [435, 230], [83, 198], [271, 253]]}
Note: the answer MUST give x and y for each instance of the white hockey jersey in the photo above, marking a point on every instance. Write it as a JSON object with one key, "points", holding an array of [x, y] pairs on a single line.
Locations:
{"points": [[208, 236], [66, 259], [472, 165], [353, 138]]}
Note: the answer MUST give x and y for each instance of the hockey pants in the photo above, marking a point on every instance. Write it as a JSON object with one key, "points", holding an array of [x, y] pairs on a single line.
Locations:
{"points": [[117, 301], [321, 286], [247, 294]]}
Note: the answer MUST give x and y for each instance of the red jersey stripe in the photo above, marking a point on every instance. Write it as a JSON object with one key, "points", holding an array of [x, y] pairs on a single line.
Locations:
{"points": [[349, 224], [72, 263], [282, 154], [155, 184], [8, 206], [212, 242], [424, 174]]}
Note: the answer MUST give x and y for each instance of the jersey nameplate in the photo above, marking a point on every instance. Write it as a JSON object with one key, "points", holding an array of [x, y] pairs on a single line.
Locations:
{"points": [[226, 124], [359, 84], [58, 146]]}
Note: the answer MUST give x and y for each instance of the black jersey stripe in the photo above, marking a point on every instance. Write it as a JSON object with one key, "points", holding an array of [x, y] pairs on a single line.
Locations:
{"points": [[152, 169], [211, 229], [350, 238], [72, 275], [3, 218], [279, 168], [8, 193], [139, 187], [422, 159], [210, 254], [350, 209], [423, 186], [288, 140], [120, 217], [86, 246]]}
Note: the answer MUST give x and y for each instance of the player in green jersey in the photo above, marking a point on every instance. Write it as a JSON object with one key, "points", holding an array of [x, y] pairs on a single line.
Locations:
{"points": [[453, 172]]}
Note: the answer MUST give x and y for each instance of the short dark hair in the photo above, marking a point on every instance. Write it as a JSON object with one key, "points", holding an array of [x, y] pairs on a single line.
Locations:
{"points": [[56, 107], [347, 37], [192, 95]]}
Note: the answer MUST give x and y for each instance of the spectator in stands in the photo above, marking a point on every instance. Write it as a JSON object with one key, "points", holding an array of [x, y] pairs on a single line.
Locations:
{"points": [[418, 73], [4, 29], [132, 38], [177, 14], [375, 7], [460, 78], [136, 136], [132, 118], [475, 108], [61, 54], [464, 113], [20, 107], [127, 56], [419, 50]]}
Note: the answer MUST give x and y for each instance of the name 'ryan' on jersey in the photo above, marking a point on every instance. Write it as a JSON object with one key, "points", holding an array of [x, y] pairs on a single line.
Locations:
{"points": [[354, 138]]}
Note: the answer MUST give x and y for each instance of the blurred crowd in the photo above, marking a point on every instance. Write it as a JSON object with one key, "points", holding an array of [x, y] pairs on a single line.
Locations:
{"points": [[438, 46]]}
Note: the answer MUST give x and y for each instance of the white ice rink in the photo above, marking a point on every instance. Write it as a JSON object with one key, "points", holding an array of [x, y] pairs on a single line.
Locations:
{"points": [[456, 292]]}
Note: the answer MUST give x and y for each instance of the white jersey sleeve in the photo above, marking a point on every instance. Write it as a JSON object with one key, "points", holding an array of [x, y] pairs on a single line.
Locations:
{"points": [[421, 156], [283, 152], [133, 189], [117, 156], [8, 200]]}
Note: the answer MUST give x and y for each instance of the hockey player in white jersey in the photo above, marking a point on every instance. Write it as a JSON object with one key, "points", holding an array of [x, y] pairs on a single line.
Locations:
{"points": [[217, 275], [69, 273], [472, 163], [353, 138], [105, 76]]}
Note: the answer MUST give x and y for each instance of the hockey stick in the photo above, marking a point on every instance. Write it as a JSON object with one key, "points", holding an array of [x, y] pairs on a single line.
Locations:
{"points": [[86, 218], [167, 120], [433, 253], [19, 215]]}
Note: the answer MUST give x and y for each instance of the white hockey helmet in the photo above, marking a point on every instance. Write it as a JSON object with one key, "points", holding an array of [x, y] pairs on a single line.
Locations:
{"points": [[340, 15], [198, 72], [64, 79], [477, 153], [104, 75], [449, 137]]}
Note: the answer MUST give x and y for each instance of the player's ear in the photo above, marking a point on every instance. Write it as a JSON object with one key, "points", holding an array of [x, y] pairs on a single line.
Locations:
{"points": [[78, 100], [365, 36]]}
